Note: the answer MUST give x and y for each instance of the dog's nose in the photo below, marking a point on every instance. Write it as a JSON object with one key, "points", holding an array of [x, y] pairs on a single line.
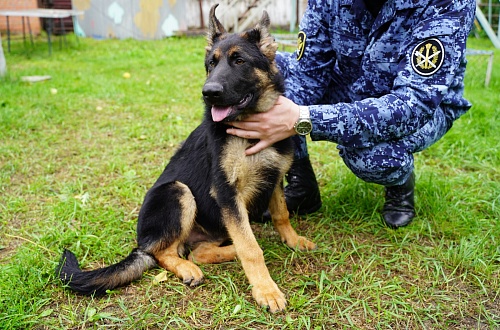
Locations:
{"points": [[212, 91]]}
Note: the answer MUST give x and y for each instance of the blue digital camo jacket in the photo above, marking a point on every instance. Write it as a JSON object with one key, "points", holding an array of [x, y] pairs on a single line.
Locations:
{"points": [[389, 74]]}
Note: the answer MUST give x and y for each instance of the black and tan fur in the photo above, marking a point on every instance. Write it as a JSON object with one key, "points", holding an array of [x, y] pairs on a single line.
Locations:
{"points": [[202, 203]]}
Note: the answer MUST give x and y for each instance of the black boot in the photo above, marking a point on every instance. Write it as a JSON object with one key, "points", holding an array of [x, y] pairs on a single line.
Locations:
{"points": [[399, 207], [302, 192]]}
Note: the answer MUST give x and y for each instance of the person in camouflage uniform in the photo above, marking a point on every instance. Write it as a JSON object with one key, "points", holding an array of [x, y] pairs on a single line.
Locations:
{"points": [[382, 79]]}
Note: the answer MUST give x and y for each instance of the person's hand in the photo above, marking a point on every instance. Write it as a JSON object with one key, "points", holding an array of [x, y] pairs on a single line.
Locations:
{"points": [[269, 127]]}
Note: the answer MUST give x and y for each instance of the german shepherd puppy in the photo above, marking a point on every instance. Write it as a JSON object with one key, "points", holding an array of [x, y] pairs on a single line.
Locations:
{"points": [[202, 203]]}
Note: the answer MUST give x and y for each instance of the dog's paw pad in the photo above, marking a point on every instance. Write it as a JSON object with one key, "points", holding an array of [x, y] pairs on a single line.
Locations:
{"points": [[192, 282], [301, 243], [306, 245], [270, 298]]}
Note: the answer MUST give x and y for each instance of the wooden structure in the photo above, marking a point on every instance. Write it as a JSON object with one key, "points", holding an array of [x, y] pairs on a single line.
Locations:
{"points": [[49, 14], [67, 23], [16, 23]]}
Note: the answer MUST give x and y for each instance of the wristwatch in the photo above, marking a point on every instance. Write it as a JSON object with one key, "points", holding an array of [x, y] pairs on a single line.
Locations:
{"points": [[303, 126]]}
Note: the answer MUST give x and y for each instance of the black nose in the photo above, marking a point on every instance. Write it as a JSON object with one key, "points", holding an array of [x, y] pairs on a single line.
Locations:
{"points": [[212, 91]]}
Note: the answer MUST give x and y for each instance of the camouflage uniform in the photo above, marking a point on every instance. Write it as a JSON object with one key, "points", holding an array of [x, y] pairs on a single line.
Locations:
{"points": [[381, 88]]}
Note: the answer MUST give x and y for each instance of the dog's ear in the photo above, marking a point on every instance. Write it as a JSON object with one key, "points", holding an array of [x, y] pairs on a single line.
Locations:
{"points": [[215, 28], [268, 46]]}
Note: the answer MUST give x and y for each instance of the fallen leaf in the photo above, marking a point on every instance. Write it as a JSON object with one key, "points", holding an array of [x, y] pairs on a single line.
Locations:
{"points": [[162, 277]]}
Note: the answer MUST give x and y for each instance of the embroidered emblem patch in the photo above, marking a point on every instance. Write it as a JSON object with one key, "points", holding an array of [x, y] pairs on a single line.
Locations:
{"points": [[427, 57], [301, 44]]}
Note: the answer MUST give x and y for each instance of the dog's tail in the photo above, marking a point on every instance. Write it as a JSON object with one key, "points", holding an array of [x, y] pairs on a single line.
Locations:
{"points": [[102, 279]]}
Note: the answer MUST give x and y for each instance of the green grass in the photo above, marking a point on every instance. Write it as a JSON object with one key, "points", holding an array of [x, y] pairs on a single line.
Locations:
{"points": [[75, 165]]}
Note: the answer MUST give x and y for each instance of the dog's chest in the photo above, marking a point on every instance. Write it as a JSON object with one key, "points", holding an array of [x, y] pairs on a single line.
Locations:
{"points": [[249, 173]]}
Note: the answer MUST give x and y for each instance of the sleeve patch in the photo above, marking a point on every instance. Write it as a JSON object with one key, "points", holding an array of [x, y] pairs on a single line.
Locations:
{"points": [[301, 44], [427, 57]]}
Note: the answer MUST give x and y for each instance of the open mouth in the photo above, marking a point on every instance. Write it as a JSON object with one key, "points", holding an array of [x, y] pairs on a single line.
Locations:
{"points": [[219, 113]]}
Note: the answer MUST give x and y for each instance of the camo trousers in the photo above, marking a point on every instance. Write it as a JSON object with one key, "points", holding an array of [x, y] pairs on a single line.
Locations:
{"points": [[388, 163]]}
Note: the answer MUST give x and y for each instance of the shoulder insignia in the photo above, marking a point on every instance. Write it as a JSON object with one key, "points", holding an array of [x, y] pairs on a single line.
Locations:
{"points": [[301, 44], [427, 57]]}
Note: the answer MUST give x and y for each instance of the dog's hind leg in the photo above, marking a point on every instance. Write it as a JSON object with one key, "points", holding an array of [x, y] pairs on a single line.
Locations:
{"points": [[186, 270], [165, 222], [281, 221], [212, 253]]}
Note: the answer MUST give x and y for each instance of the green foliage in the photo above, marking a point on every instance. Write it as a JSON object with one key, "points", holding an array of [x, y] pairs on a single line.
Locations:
{"points": [[79, 151]]}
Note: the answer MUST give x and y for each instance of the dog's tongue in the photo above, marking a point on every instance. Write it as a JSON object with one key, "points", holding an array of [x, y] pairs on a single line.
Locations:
{"points": [[219, 113]]}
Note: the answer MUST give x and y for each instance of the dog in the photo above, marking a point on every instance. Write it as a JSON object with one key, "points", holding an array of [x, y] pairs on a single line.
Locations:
{"points": [[201, 205]]}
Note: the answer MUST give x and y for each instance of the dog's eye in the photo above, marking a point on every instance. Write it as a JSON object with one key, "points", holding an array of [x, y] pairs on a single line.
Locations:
{"points": [[239, 61], [211, 63]]}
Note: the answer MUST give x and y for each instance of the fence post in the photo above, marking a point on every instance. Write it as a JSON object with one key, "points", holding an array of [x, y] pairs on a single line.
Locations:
{"points": [[487, 28], [3, 64]]}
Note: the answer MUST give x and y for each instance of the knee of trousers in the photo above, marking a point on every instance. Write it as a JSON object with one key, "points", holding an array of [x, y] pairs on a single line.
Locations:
{"points": [[385, 164]]}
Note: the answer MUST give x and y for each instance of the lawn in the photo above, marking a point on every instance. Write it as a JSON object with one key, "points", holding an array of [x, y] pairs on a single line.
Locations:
{"points": [[79, 151]]}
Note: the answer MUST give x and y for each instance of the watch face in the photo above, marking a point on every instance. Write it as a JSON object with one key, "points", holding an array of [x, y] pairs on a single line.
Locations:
{"points": [[303, 127]]}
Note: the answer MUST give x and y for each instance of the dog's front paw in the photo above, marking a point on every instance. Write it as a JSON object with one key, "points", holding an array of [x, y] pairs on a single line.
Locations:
{"points": [[269, 296], [301, 243]]}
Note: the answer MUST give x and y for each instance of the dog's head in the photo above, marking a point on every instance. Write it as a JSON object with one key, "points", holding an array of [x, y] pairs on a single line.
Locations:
{"points": [[242, 76]]}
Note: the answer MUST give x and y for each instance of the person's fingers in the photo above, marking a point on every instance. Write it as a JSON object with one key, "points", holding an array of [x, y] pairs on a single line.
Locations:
{"points": [[242, 133], [261, 145], [244, 125]]}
